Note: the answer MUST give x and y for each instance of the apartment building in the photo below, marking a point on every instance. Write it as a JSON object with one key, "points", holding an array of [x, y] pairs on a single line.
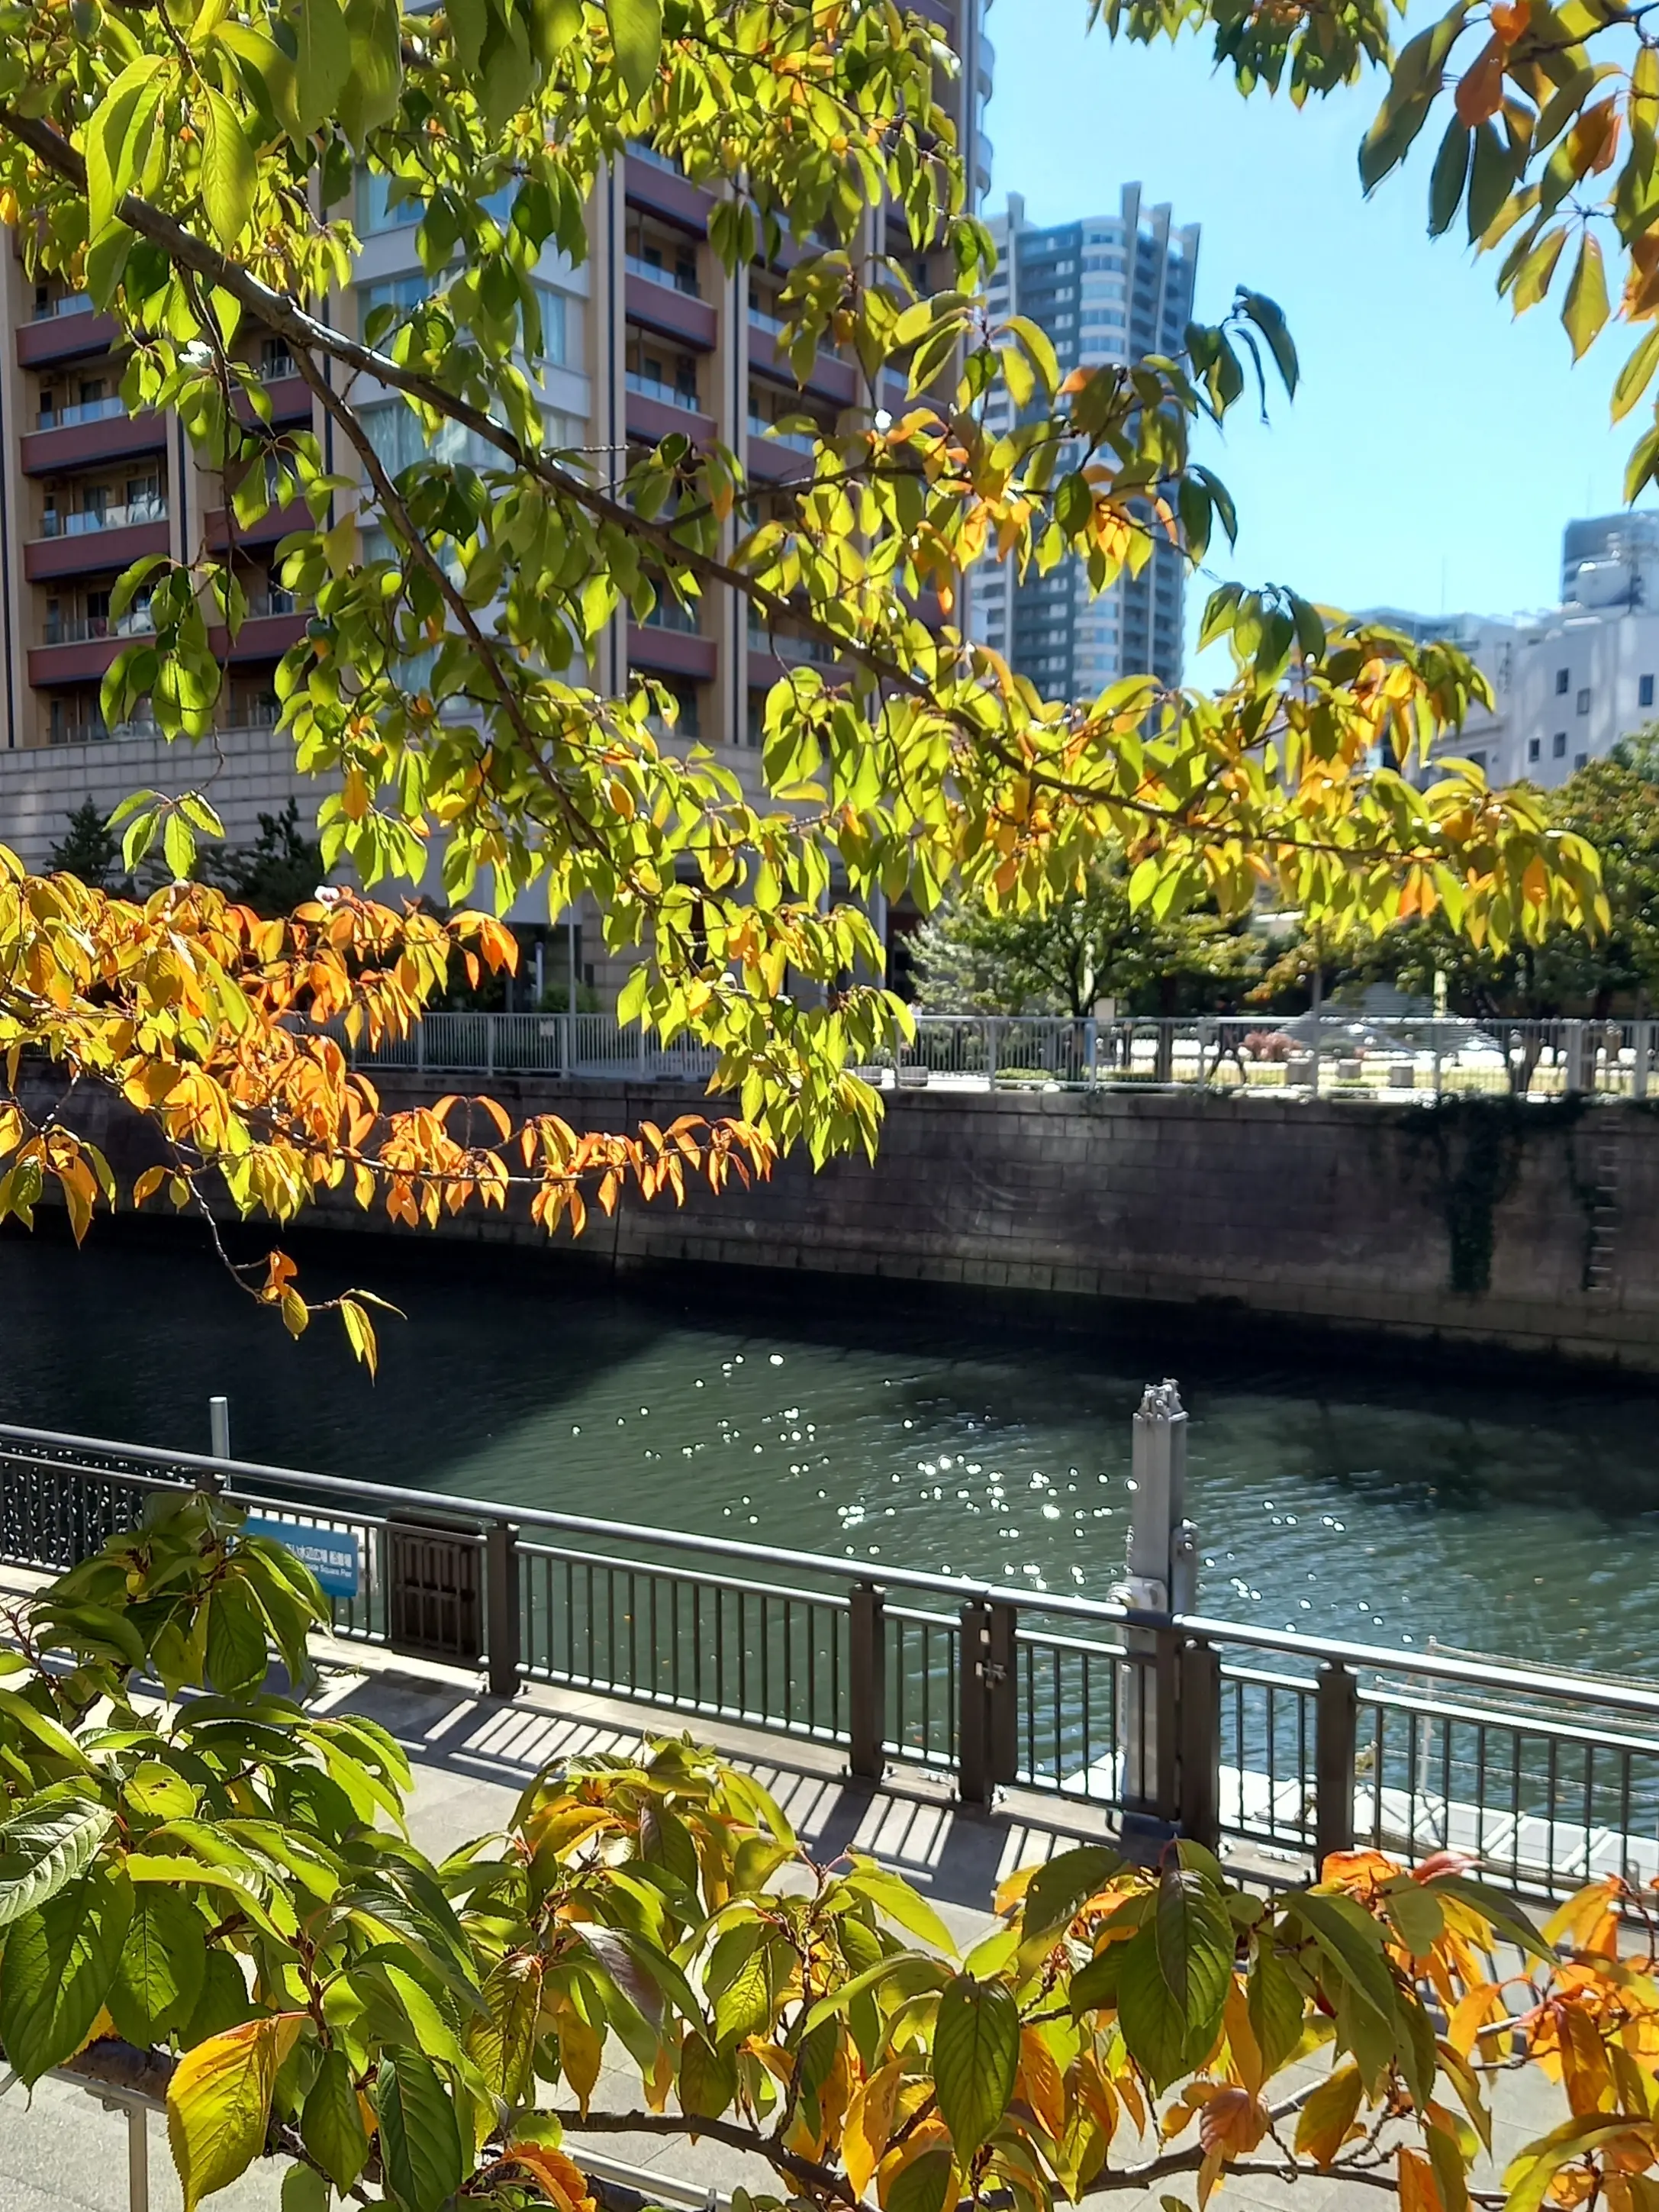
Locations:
{"points": [[650, 335], [1108, 288], [1569, 681]]}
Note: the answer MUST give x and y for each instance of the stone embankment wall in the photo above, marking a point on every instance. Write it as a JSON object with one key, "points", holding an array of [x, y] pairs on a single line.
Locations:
{"points": [[1532, 1228]]}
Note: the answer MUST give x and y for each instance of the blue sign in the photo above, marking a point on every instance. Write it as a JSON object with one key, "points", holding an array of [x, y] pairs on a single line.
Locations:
{"points": [[330, 1553]]}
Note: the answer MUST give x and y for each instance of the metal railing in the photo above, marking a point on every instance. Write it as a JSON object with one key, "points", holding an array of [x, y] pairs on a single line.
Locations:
{"points": [[1395, 1060], [798, 442], [670, 395], [1211, 1727], [591, 1047], [81, 630], [67, 303], [82, 411], [117, 515], [673, 280]]}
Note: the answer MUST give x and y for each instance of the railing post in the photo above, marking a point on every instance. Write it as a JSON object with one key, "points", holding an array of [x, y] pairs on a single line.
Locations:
{"points": [[993, 1029], [1199, 1797], [218, 1443], [420, 1048], [1575, 1075], [1336, 1742], [1091, 1051], [1643, 1040], [866, 1683], [988, 1720], [502, 1641], [489, 1044]]}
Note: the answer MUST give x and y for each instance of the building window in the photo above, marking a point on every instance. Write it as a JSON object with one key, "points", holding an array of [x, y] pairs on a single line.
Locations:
{"points": [[1559, 744], [1583, 700], [1478, 760], [1644, 691], [1562, 680], [374, 209], [1581, 760], [1534, 749]]}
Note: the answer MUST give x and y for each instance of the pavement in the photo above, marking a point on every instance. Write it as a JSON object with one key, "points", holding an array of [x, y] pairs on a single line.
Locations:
{"points": [[471, 1756]]}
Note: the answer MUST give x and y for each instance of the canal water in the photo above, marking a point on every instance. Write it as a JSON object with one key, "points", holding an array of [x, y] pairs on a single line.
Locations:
{"points": [[1513, 1512]]}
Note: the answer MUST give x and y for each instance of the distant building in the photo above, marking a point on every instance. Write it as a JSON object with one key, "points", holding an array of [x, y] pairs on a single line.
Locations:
{"points": [[1569, 683], [1108, 288]]}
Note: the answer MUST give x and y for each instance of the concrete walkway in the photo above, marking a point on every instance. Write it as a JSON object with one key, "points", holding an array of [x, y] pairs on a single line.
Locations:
{"points": [[472, 1756]]}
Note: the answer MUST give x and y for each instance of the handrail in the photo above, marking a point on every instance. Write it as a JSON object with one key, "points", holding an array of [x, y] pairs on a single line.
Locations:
{"points": [[1203, 1627]]}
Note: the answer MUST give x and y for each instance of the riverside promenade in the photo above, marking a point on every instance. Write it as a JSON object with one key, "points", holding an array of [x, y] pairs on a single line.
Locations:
{"points": [[472, 1754]]}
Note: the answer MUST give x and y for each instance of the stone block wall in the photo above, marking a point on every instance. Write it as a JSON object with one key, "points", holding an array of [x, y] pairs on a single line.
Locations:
{"points": [[1534, 1228]]}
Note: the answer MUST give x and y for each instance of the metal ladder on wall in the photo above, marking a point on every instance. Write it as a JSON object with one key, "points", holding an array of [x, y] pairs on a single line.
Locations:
{"points": [[1604, 1219]]}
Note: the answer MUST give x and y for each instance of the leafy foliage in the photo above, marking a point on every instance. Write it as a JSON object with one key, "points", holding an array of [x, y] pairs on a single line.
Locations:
{"points": [[1614, 803], [222, 1879], [1090, 944], [188, 167]]}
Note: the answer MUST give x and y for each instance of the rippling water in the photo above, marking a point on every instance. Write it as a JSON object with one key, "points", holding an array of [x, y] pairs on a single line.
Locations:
{"points": [[1499, 1513]]}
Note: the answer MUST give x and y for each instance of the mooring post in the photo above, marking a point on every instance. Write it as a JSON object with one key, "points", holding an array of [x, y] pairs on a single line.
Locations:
{"points": [[218, 1442], [1159, 1583]]}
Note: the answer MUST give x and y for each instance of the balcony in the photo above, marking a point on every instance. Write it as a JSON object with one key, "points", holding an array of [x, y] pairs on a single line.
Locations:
{"points": [[79, 630], [83, 410], [665, 395], [794, 652], [92, 730], [67, 329], [95, 432], [662, 305], [797, 441], [764, 319], [84, 545], [673, 280], [113, 516], [669, 614], [651, 180]]}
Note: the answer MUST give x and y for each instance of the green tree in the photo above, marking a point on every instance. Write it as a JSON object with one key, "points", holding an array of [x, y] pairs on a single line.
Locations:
{"points": [[1090, 944], [207, 1894], [192, 169], [280, 870], [90, 850]]}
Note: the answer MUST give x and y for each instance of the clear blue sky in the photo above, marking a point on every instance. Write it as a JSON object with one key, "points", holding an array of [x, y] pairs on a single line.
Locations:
{"points": [[1435, 437]]}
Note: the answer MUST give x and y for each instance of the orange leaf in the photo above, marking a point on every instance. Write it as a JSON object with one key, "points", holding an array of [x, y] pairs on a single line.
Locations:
{"points": [[1418, 2191], [559, 2179], [1480, 93], [1039, 2081], [1510, 20]]}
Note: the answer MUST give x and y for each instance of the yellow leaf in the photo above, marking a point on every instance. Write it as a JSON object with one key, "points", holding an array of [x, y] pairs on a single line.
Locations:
{"points": [[869, 2124], [219, 2102]]}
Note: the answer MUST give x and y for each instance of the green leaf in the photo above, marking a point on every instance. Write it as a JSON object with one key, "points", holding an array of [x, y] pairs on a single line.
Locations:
{"points": [[1510, 1923], [1451, 167], [228, 170], [1352, 1942], [1059, 1888], [1275, 2008], [1174, 1977], [1269, 319], [707, 2077], [894, 1896], [921, 2185], [420, 2139], [1038, 348], [1634, 378], [637, 31], [236, 1654], [304, 2189], [162, 1966], [976, 2058], [1584, 310], [56, 1971], [117, 137], [44, 1850], [219, 2102], [1532, 279], [331, 2121], [323, 63]]}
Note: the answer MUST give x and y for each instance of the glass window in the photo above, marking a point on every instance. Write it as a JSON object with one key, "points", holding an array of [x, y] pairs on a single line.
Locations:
{"points": [[402, 293], [1583, 700], [1562, 680], [1581, 760], [1644, 691], [375, 212], [1559, 744], [1534, 749], [552, 305]]}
